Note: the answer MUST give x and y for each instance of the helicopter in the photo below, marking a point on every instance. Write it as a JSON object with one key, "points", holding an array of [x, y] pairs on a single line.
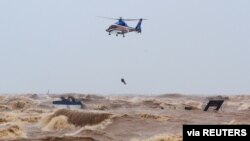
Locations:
{"points": [[121, 27]]}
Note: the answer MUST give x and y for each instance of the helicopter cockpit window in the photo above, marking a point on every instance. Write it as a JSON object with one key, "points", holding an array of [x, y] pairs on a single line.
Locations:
{"points": [[122, 23]]}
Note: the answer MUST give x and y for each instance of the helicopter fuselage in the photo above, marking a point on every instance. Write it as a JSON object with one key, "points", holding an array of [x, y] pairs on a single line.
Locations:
{"points": [[119, 29]]}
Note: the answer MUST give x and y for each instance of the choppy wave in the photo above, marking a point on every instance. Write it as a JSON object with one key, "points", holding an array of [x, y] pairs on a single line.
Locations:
{"points": [[162, 137], [194, 105], [155, 117], [12, 132], [57, 123], [244, 106], [66, 119]]}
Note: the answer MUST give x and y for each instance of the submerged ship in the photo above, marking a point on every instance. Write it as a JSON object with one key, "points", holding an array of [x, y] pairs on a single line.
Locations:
{"points": [[69, 103]]}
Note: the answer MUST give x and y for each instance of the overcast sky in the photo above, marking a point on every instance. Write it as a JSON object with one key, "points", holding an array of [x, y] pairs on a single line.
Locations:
{"points": [[186, 46]]}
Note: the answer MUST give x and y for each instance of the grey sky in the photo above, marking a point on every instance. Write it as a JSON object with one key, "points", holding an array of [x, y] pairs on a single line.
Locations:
{"points": [[186, 46]]}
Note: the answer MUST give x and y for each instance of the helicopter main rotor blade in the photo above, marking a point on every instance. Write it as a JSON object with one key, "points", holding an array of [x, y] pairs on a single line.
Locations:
{"points": [[133, 19], [130, 19], [107, 18], [120, 18]]}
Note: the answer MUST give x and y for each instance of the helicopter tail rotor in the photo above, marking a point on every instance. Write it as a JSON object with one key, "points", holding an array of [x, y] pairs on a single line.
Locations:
{"points": [[138, 26]]}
